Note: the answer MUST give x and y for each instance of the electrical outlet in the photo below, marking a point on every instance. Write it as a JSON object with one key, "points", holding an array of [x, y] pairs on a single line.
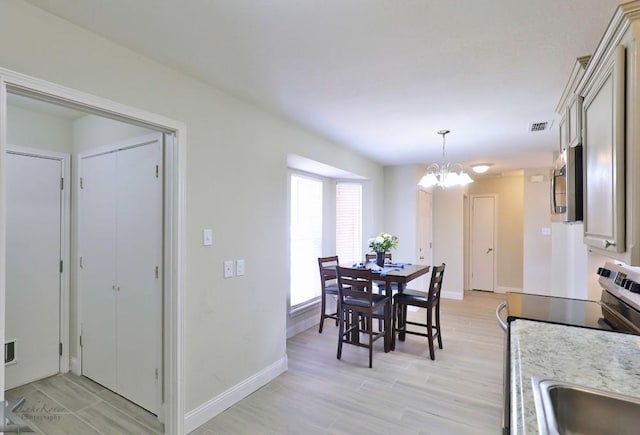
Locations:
{"points": [[228, 269], [239, 267]]}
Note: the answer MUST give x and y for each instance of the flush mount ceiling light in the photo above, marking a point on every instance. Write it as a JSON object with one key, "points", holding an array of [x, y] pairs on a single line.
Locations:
{"points": [[481, 168], [445, 174]]}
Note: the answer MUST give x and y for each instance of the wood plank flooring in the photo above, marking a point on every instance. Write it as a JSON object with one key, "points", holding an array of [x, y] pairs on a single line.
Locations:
{"points": [[404, 393], [70, 404]]}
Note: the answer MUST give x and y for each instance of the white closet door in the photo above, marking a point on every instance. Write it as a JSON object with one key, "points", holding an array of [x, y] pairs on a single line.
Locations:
{"points": [[34, 204], [98, 269], [139, 261]]}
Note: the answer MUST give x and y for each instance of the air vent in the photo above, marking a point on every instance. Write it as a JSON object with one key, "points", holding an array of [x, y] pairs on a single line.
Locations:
{"points": [[10, 352], [540, 126]]}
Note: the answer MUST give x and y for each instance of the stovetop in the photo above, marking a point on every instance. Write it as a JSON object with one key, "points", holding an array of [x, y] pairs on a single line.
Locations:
{"points": [[552, 309]]}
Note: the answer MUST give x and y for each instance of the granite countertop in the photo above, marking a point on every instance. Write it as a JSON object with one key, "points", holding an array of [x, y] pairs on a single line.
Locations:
{"points": [[599, 359]]}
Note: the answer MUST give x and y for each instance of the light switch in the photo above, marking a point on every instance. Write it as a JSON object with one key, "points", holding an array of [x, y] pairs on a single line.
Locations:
{"points": [[228, 269], [207, 237], [239, 267]]}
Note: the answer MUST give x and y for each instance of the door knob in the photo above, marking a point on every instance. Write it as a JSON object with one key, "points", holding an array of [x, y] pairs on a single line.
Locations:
{"points": [[489, 250]]}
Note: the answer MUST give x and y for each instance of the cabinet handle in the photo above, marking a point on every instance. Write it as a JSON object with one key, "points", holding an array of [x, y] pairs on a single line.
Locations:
{"points": [[608, 243]]}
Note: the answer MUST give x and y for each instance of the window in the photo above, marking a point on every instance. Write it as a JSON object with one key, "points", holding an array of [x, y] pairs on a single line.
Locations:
{"points": [[349, 221], [306, 238]]}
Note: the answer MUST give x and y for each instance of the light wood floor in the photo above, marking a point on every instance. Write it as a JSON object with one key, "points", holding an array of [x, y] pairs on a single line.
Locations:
{"points": [[404, 393], [70, 404]]}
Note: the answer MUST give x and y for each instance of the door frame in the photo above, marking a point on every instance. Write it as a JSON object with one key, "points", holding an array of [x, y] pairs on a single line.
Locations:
{"points": [[65, 240], [175, 219], [495, 237]]}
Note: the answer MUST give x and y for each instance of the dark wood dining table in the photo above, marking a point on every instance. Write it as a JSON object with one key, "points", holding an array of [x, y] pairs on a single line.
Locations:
{"points": [[399, 275]]}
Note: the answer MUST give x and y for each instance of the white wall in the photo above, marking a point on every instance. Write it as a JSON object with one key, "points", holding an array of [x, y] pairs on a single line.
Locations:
{"points": [[93, 131], [32, 129], [236, 182], [448, 238], [401, 210], [536, 271]]}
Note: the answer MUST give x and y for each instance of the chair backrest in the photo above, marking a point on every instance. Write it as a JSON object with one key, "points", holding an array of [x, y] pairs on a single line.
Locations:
{"points": [[436, 283], [327, 266], [355, 283], [373, 256]]}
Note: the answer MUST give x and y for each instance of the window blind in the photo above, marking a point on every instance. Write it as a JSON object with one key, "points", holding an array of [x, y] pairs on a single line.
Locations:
{"points": [[349, 221]]}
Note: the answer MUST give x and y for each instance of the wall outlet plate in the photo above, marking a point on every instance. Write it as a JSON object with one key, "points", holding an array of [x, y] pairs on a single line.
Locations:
{"points": [[228, 269]]}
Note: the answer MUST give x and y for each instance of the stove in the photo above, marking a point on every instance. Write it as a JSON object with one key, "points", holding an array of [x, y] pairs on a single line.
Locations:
{"points": [[618, 308]]}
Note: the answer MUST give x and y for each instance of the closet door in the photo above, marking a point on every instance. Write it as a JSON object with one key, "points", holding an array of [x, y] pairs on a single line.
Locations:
{"points": [[138, 265], [34, 207], [98, 268]]}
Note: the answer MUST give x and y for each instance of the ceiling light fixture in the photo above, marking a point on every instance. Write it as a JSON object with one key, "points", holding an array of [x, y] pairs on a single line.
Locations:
{"points": [[446, 174], [481, 168]]}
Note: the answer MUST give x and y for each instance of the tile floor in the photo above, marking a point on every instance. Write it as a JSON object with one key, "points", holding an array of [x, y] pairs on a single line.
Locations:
{"points": [[71, 404]]}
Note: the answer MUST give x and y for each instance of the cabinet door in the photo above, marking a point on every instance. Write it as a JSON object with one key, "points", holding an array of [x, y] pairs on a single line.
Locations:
{"points": [[603, 120], [97, 273]]}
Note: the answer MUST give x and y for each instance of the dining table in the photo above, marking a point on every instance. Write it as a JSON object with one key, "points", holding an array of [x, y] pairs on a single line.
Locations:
{"points": [[400, 274]]}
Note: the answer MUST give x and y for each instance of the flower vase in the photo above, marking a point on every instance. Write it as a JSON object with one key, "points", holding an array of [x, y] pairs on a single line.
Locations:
{"points": [[380, 259]]}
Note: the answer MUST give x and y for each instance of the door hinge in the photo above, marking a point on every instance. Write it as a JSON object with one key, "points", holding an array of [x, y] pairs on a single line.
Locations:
{"points": [[61, 266], [81, 183], [157, 171], [80, 262], [156, 374], [60, 349], [61, 183], [81, 345], [157, 272]]}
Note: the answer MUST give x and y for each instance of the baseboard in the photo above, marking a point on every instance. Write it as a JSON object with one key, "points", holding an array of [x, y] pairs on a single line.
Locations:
{"points": [[74, 366], [205, 412], [303, 325], [451, 295], [507, 289]]}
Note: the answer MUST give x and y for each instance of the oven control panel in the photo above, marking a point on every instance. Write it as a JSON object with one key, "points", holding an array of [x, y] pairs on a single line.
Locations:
{"points": [[621, 280]]}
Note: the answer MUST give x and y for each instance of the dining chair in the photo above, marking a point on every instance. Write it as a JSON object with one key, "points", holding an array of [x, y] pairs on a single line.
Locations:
{"points": [[357, 301], [429, 300], [328, 286]]}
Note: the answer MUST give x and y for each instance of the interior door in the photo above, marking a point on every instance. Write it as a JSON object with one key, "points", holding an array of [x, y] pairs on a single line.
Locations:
{"points": [[482, 242], [121, 247], [139, 260], [33, 283], [425, 238], [97, 278]]}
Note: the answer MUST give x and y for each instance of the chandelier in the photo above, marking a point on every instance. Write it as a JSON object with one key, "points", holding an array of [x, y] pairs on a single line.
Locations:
{"points": [[446, 174]]}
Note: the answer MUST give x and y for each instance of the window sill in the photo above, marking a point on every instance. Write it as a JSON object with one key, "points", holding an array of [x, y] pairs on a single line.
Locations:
{"points": [[304, 307]]}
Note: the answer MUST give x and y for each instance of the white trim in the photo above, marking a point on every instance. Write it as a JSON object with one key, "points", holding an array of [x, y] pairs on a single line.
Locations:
{"points": [[174, 232], [65, 241], [302, 325], [74, 366], [205, 412], [452, 295], [508, 289]]}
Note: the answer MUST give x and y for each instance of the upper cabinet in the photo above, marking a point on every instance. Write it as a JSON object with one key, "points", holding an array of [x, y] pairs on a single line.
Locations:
{"points": [[569, 108], [608, 101]]}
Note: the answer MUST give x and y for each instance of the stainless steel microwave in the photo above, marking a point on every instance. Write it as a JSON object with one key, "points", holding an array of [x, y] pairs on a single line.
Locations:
{"points": [[566, 187]]}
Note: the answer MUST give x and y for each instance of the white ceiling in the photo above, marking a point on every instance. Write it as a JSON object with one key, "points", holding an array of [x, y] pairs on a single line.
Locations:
{"points": [[379, 76]]}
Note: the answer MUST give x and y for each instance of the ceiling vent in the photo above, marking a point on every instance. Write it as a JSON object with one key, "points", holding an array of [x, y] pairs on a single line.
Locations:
{"points": [[540, 126]]}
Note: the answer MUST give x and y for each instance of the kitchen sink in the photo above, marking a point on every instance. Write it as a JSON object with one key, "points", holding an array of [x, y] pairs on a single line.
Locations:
{"points": [[565, 408]]}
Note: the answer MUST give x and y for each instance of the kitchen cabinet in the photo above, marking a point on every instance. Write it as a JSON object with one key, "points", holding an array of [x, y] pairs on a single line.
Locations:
{"points": [[609, 92], [570, 106]]}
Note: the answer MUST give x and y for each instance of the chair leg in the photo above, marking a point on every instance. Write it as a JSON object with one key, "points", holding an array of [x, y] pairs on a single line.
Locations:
{"points": [[323, 306], [387, 327], [438, 326], [402, 312], [370, 329], [394, 311], [430, 332], [340, 333]]}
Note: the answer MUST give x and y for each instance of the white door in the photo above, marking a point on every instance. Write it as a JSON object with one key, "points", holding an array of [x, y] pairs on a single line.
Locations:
{"points": [[33, 282], [138, 264], [97, 277], [121, 248], [482, 242], [425, 239]]}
